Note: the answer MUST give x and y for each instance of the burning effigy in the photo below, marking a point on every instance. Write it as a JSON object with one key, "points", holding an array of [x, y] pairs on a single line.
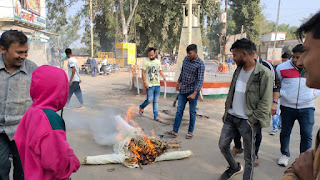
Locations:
{"points": [[133, 148]]}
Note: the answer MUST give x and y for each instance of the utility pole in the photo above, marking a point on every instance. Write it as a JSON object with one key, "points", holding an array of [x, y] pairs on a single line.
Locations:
{"points": [[91, 24], [190, 22], [223, 37], [275, 40]]}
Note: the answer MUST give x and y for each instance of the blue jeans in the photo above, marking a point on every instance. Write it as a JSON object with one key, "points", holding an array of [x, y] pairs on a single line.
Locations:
{"points": [[276, 119], [75, 88], [305, 118], [182, 101], [153, 94], [94, 71], [8, 147]]}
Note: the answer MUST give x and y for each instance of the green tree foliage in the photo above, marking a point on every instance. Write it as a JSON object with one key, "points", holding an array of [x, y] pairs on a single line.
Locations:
{"points": [[247, 13], [159, 23], [59, 23]]}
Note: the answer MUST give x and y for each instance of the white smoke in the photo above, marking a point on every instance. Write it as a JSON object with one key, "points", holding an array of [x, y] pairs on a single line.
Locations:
{"points": [[103, 126]]}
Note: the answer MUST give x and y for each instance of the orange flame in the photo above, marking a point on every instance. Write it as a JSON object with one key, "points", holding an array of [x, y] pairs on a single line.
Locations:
{"points": [[139, 153]]}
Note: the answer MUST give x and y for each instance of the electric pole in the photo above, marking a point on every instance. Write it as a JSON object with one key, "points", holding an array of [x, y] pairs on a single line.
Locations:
{"points": [[91, 24], [223, 37], [275, 40]]}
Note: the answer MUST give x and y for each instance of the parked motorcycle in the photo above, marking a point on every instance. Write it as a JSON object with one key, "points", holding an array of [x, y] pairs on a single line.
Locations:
{"points": [[105, 69]]}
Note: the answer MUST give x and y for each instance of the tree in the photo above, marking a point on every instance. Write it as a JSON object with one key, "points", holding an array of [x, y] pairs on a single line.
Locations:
{"points": [[126, 23], [159, 23], [247, 13], [59, 23]]}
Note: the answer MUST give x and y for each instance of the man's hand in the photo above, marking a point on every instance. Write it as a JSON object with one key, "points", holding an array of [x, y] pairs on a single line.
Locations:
{"points": [[80, 81], [303, 166], [223, 117], [145, 85], [178, 86], [274, 108], [70, 83], [192, 96]]}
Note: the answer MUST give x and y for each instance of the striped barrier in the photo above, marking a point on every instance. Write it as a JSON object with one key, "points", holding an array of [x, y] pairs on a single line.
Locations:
{"points": [[214, 90]]}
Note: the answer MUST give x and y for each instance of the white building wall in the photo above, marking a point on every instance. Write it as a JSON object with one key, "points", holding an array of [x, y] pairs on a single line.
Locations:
{"points": [[6, 10]]}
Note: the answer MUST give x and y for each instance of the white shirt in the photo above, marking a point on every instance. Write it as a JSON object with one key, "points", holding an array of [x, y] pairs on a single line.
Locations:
{"points": [[238, 103], [104, 62], [72, 62]]}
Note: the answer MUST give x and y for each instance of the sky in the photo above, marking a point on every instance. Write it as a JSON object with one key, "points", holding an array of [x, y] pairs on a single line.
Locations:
{"points": [[291, 12]]}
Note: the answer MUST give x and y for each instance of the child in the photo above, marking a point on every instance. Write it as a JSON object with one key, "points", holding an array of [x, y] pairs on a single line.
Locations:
{"points": [[41, 135]]}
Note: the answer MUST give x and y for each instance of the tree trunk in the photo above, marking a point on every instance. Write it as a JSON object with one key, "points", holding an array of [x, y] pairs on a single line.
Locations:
{"points": [[126, 24]]}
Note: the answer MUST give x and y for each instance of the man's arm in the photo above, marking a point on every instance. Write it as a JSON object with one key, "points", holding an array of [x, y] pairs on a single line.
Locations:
{"points": [[199, 81], [264, 104], [72, 75], [276, 93], [145, 85], [162, 75]]}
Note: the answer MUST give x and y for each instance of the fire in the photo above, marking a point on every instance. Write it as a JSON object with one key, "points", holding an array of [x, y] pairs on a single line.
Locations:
{"points": [[143, 150]]}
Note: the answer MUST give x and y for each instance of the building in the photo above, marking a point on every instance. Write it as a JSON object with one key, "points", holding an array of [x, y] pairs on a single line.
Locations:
{"points": [[28, 16], [272, 36]]}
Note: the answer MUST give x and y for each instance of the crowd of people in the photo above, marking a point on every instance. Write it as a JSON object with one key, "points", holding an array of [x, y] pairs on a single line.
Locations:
{"points": [[34, 135]]}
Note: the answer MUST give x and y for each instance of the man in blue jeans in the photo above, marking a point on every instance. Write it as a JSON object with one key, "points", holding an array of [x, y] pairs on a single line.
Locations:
{"points": [[296, 104], [189, 85], [74, 79], [94, 67], [151, 71]]}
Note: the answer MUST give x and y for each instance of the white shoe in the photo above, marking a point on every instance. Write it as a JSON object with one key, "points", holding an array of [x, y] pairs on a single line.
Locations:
{"points": [[82, 107], [273, 132], [283, 161]]}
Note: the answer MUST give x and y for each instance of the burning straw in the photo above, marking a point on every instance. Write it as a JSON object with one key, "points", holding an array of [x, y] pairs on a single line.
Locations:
{"points": [[134, 148]]}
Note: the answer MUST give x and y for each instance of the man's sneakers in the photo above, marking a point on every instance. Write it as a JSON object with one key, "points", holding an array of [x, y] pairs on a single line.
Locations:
{"points": [[283, 161], [273, 132], [236, 151], [230, 173], [81, 107]]}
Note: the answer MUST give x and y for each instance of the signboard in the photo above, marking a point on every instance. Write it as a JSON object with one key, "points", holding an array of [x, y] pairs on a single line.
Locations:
{"points": [[34, 6], [131, 53], [23, 15], [223, 17], [277, 54]]}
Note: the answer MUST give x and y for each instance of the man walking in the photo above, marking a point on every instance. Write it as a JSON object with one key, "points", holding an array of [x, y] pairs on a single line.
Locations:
{"points": [[296, 104], [74, 79], [94, 66], [189, 85], [307, 165], [276, 94], [151, 71], [15, 73], [247, 107]]}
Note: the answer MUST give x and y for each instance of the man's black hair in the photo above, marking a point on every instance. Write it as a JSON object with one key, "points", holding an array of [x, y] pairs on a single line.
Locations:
{"points": [[244, 44], [286, 55], [192, 47], [68, 51], [313, 25], [298, 49], [12, 36], [151, 49], [254, 47]]}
